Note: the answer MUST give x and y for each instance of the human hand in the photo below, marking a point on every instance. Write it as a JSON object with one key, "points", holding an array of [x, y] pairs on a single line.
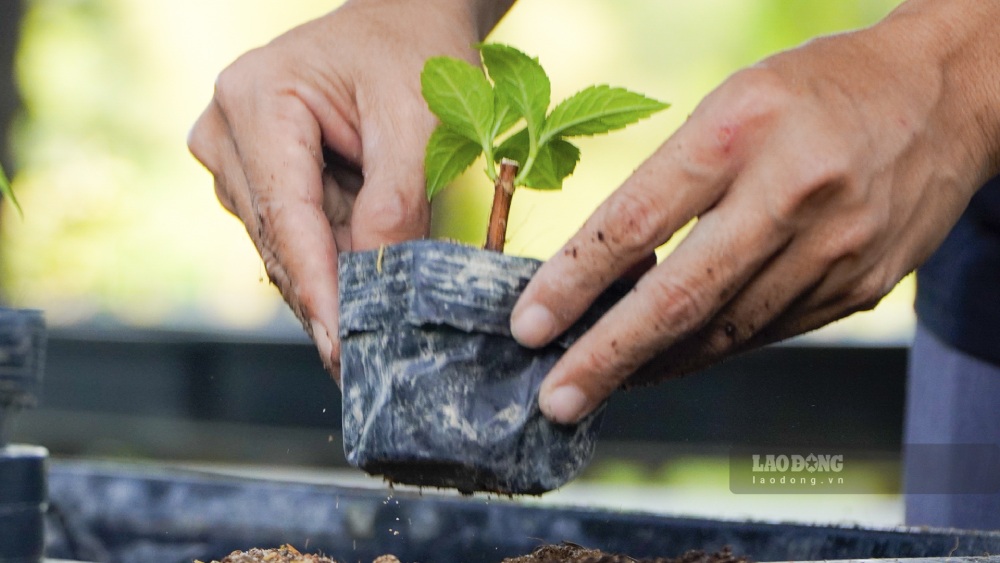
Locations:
{"points": [[316, 141], [819, 177]]}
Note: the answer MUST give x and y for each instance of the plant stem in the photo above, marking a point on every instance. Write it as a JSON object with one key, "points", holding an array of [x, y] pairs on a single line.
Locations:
{"points": [[503, 191]]}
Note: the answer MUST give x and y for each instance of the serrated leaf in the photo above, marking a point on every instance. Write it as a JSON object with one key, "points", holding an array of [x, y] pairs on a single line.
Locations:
{"points": [[504, 116], [520, 81], [460, 96], [514, 147], [598, 109], [448, 155], [7, 192], [555, 161]]}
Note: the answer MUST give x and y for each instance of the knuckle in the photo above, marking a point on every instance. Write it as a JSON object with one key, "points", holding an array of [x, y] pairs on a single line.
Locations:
{"points": [[675, 307], [857, 236], [610, 365], [276, 274], [264, 208], [849, 241], [812, 186], [723, 337], [203, 142], [867, 294], [631, 223], [231, 83], [606, 361], [222, 194], [735, 115], [267, 212], [755, 94], [252, 77], [200, 143], [392, 212]]}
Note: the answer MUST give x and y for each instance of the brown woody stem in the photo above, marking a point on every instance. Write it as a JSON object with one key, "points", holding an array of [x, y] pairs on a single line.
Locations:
{"points": [[503, 191]]}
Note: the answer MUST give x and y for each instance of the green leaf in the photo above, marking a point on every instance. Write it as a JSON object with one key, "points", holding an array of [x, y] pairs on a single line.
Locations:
{"points": [[448, 155], [504, 116], [514, 147], [520, 81], [555, 161], [7, 192], [598, 109], [460, 96]]}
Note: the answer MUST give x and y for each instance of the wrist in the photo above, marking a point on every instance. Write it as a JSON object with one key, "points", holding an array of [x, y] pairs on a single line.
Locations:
{"points": [[489, 13], [482, 15], [479, 16], [958, 41]]}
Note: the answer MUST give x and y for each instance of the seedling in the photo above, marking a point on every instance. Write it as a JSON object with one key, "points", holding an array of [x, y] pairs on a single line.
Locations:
{"points": [[424, 385], [477, 114], [6, 191]]}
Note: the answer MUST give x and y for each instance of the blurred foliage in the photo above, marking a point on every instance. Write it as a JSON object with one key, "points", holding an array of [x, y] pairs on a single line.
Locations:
{"points": [[5, 190], [122, 223]]}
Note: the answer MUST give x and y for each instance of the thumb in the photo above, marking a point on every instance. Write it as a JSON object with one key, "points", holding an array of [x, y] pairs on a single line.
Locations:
{"points": [[392, 205]]}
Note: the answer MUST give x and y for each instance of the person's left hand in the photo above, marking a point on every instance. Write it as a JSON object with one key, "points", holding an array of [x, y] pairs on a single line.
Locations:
{"points": [[316, 141]]}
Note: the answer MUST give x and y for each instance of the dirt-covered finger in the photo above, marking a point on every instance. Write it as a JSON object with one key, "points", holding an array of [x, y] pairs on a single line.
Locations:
{"points": [[392, 207], [790, 274], [684, 178], [726, 248], [281, 151], [211, 142], [847, 288]]}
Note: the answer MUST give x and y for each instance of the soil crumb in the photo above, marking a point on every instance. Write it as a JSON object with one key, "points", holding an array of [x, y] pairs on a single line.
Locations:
{"points": [[564, 553], [284, 554], [572, 553]]}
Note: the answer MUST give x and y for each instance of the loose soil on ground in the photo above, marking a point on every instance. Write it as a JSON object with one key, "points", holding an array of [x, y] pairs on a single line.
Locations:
{"points": [[572, 553], [563, 553], [286, 554]]}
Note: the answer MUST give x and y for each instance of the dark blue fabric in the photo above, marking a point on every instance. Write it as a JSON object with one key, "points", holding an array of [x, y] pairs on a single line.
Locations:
{"points": [[958, 289], [951, 399]]}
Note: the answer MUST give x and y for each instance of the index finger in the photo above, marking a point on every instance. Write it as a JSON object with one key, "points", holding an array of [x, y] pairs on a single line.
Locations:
{"points": [[279, 149], [627, 227], [728, 246]]}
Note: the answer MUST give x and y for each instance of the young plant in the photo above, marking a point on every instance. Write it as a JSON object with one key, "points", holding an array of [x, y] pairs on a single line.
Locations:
{"points": [[477, 114], [6, 191]]}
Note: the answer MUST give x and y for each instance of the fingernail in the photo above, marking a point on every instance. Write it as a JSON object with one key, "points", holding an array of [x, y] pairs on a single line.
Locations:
{"points": [[565, 405], [323, 342], [534, 327]]}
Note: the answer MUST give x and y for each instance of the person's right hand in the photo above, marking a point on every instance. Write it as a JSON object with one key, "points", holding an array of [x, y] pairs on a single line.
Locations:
{"points": [[819, 178], [316, 140]]}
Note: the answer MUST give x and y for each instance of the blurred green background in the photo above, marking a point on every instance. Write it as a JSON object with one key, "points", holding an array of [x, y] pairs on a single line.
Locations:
{"points": [[121, 224]]}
